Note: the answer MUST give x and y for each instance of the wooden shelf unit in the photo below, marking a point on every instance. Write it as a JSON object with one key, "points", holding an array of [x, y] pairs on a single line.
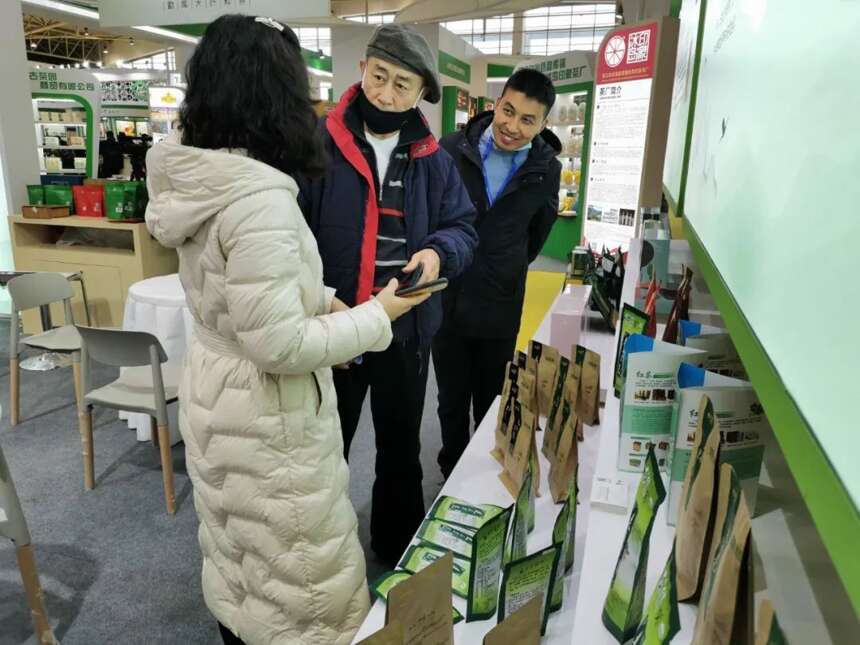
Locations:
{"points": [[107, 272]]}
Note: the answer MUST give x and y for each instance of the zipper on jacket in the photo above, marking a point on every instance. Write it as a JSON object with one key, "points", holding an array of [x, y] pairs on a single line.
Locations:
{"points": [[319, 391]]}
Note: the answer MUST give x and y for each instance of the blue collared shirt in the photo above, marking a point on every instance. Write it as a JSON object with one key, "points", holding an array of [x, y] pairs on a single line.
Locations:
{"points": [[499, 165]]}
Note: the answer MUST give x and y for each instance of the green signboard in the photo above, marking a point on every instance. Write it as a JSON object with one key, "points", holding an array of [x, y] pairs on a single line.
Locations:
{"points": [[454, 67]]}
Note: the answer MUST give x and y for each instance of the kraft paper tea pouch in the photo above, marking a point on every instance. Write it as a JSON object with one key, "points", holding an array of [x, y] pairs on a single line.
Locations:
{"points": [[520, 628], [553, 420], [510, 393], [422, 605], [571, 384], [547, 358], [486, 566], [527, 578], [387, 581], [696, 513], [769, 631], [391, 634], [661, 620], [518, 456], [457, 511], [742, 424], [517, 544], [530, 365], [457, 539], [633, 321], [649, 398], [718, 620], [622, 611], [419, 556], [572, 492], [588, 402], [561, 537], [563, 465]]}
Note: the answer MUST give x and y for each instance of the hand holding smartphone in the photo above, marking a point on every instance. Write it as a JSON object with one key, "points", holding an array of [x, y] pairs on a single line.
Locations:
{"points": [[411, 287]]}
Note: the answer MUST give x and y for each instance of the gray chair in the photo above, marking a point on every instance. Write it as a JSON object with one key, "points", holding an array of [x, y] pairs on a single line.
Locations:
{"points": [[14, 526], [37, 290], [148, 383]]}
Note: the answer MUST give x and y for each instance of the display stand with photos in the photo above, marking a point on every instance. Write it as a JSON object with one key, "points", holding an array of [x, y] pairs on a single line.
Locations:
{"points": [[572, 76], [66, 113], [456, 105], [632, 92]]}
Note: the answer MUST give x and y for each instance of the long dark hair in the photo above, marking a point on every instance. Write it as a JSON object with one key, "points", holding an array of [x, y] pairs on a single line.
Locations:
{"points": [[248, 89]]}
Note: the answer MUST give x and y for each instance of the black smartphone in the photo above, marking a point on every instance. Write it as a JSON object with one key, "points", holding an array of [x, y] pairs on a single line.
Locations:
{"points": [[406, 280], [420, 289]]}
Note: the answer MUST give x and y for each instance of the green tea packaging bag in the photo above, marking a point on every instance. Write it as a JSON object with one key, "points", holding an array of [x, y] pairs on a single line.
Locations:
{"points": [[115, 197], [59, 195], [548, 359], [527, 578], [661, 620], [522, 627], [769, 631], [698, 504], [521, 444], [486, 566], [727, 581], [648, 399], [572, 492], [741, 421], [457, 539], [419, 556], [553, 420], [457, 511], [36, 195], [422, 605], [560, 537], [534, 467], [382, 586], [564, 457], [622, 611], [632, 321], [518, 540], [391, 634]]}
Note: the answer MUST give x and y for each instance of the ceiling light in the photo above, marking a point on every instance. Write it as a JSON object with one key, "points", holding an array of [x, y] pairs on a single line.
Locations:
{"points": [[99, 64], [64, 7], [105, 49], [131, 41], [33, 44], [86, 31], [167, 33], [78, 65]]}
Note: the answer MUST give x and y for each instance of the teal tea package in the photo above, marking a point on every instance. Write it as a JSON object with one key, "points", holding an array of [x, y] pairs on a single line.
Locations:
{"points": [[456, 511], [622, 611], [661, 620], [633, 321]]}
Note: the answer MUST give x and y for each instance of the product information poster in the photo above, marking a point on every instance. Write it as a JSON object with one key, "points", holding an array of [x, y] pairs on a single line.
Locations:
{"points": [[625, 68]]}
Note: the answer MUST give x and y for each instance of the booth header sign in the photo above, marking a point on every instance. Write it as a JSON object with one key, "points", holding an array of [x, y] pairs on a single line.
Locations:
{"points": [[454, 67], [563, 70], [123, 13]]}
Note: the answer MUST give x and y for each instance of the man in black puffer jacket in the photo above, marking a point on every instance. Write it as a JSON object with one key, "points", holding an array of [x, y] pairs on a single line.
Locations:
{"points": [[508, 163]]}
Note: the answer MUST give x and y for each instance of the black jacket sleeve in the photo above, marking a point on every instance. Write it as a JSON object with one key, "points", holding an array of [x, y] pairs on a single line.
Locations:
{"points": [[545, 217]]}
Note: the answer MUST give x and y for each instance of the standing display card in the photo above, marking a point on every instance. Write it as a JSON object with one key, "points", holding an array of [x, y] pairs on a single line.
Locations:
{"points": [[548, 359], [517, 545], [456, 511], [721, 356], [486, 566], [383, 585], [697, 504], [422, 605], [457, 539], [633, 321], [565, 458], [721, 618], [648, 399], [572, 501], [622, 611], [518, 455], [588, 402], [391, 634], [742, 424], [420, 556], [522, 627], [661, 620], [527, 578], [554, 417], [561, 537]]}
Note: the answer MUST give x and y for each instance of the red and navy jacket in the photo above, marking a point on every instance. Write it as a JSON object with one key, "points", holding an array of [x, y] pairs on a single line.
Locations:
{"points": [[343, 211]]}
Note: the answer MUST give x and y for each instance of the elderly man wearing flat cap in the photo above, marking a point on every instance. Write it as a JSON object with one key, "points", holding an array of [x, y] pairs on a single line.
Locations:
{"points": [[390, 202]]}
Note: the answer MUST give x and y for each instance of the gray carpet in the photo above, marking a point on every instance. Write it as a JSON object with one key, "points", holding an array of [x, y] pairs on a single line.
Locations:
{"points": [[114, 566]]}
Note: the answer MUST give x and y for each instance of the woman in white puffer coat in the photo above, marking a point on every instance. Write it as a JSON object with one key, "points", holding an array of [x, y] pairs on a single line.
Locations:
{"points": [[281, 557]]}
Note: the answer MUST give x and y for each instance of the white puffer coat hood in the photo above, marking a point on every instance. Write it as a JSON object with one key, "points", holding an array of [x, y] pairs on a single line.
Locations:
{"points": [[258, 413]]}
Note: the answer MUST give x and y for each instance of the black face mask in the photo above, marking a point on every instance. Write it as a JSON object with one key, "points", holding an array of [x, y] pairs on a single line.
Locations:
{"points": [[379, 121]]}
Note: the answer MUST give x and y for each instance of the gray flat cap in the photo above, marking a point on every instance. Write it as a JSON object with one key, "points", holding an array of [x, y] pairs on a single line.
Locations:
{"points": [[403, 46]]}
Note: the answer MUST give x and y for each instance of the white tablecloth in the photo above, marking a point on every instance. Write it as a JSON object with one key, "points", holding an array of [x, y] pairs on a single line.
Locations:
{"points": [[157, 305]]}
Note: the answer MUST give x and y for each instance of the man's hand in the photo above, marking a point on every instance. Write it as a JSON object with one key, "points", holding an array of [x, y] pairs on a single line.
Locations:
{"points": [[431, 261]]}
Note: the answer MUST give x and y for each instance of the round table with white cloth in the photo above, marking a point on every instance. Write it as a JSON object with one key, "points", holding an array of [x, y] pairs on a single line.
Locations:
{"points": [[157, 305]]}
